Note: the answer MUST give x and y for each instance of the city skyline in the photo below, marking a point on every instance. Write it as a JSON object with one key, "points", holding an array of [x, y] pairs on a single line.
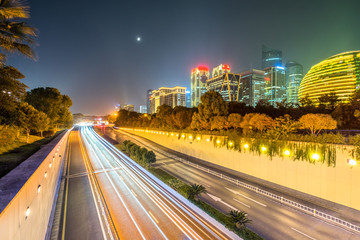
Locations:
{"points": [[93, 64]]}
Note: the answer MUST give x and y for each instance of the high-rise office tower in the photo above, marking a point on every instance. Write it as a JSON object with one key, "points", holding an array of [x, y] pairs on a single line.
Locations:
{"points": [[227, 84], [170, 96], [188, 99], [293, 76], [271, 57], [199, 76], [275, 85], [148, 96], [252, 87]]}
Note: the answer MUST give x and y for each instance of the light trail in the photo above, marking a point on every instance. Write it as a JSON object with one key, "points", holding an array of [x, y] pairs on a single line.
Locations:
{"points": [[162, 206], [156, 193], [156, 185]]}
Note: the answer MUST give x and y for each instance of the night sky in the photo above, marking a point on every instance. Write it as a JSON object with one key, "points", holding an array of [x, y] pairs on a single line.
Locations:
{"points": [[88, 49]]}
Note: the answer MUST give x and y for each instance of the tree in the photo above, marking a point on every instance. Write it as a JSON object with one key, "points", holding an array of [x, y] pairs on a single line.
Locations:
{"points": [[44, 123], [219, 123], [15, 36], [150, 157], [234, 120], [306, 101], [317, 122], [53, 103], [12, 92], [261, 122], [182, 117], [28, 119], [239, 218], [329, 100], [283, 126], [195, 190]]}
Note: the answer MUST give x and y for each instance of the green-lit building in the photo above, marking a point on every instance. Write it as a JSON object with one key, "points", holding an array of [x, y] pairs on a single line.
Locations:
{"points": [[339, 73], [293, 76]]}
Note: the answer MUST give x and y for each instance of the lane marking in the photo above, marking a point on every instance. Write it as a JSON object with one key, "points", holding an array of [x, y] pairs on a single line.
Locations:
{"points": [[154, 217], [304, 234], [84, 158], [241, 202], [133, 192], [67, 187], [237, 193]]}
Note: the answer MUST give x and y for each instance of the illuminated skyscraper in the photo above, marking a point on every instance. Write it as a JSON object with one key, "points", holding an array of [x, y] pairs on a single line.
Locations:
{"points": [[293, 76], [275, 85], [227, 84], [339, 74], [271, 57], [199, 76], [252, 87], [221, 69], [170, 96], [148, 96]]}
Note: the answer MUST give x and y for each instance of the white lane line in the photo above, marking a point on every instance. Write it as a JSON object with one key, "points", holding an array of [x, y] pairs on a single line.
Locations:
{"points": [[303, 233], [236, 192], [154, 217], [133, 192], [241, 202], [206, 185]]}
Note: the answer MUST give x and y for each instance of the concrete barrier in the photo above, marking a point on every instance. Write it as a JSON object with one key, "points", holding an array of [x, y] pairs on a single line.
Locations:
{"points": [[28, 192], [339, 184]]}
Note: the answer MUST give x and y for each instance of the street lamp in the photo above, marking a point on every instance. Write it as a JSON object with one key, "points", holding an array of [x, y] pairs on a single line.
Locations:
{"points": [[351, 162], [315, 156]]}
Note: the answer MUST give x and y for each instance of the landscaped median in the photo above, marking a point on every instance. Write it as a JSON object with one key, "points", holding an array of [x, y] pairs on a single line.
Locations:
{"points": [[145, 158]]}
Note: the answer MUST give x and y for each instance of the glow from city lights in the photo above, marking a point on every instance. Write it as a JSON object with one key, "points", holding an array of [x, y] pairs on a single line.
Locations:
{"points": [[287, 153], [246, 146], [315, 156], [352, 162]]}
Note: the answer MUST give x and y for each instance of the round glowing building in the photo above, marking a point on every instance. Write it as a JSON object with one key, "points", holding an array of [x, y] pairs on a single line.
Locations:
{"points": [[339, 74]]}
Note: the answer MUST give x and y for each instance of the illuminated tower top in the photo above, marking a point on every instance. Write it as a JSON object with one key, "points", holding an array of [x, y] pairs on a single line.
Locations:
{"points": [[221, 69]]}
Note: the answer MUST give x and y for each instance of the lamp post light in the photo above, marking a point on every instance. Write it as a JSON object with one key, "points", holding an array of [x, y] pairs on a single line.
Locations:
{"points": [[351, 162]]}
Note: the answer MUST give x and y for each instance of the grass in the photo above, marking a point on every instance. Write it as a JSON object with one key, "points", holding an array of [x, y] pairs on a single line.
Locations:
{"points": [[12, 155], [182, 188]]}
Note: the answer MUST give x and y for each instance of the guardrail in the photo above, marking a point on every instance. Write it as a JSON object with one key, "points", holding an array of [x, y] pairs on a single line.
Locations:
{"points": [[273, 196], [281, 199]]}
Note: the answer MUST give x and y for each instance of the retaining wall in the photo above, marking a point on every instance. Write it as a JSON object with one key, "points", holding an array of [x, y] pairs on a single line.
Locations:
{"points": [[27, 193], [339, 184]]}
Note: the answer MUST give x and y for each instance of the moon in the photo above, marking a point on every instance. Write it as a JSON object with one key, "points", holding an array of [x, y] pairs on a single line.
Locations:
{"points": [[138, 39]]}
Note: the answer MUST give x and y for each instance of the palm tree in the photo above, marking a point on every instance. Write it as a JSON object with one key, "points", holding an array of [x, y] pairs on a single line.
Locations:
{"points": [[195, 190], [239, 218], [15, 35]]}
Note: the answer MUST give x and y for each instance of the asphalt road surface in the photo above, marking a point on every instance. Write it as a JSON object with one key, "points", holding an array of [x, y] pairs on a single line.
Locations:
{"points": [[270, 219], [140, 206]]}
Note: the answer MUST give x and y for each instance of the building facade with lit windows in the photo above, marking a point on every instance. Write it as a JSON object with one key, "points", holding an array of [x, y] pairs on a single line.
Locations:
{"points": [[148, 96], [173, 97], [271, 57], [293, 77], [128, 107], [252, 87], [275, 85], [227, 84], [339, 74], [199, 75], [221, 69]]}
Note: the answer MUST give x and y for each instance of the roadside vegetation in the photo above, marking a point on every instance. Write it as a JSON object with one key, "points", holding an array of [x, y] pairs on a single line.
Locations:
{"points": [[235, 221], [11, 156], [25, 117]]}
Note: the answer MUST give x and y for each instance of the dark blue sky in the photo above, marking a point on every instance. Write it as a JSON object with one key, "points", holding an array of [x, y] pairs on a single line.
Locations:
{"points": [[88, 49]]}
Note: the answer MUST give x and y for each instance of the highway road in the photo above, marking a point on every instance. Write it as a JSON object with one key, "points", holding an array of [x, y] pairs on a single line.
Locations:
{"points": [[271, 219], [78, 216], [140, 206]]}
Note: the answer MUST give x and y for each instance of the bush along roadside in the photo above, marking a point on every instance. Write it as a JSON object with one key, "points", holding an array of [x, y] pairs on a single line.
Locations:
{"points": [[235, 221]]}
